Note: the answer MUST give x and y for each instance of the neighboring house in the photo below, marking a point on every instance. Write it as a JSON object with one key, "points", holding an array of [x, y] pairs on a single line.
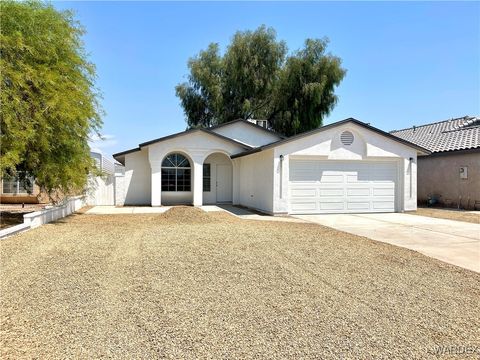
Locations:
{"points": [[100, 189], [451, 174], [13, 191], [348, 166]]}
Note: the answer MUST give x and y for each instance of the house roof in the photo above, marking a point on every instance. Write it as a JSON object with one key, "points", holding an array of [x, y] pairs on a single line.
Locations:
{"points": [[190, 131], [330, 126], [249, 123], [118, 156], [449, 135]]}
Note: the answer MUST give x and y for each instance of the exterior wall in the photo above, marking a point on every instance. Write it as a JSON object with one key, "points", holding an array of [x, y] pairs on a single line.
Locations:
{"points": [[177, 197], [255, 181], [137, 178], [210, 197], [247, 134], [197, 147], [326, 145], [439, 175]]}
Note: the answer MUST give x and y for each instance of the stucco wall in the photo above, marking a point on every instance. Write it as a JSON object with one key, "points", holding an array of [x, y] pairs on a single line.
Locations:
{"points": [[197, 147], [247, 134], [368, 145], [137, 178], [440, 175], [255, 181]]}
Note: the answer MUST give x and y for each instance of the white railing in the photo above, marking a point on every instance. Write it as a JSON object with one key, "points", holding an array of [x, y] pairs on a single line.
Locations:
{"points": [[49, 214]]}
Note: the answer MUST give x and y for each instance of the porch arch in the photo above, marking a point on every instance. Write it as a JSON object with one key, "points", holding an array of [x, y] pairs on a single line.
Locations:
{"points": [[217, 178]]}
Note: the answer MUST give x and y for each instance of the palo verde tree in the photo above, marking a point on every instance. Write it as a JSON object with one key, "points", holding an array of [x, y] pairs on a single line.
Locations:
{"points": [[49, 102], [257, 78]]}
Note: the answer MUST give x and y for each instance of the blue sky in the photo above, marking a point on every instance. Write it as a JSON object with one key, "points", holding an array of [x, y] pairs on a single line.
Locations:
{"points": [[408, 63]]}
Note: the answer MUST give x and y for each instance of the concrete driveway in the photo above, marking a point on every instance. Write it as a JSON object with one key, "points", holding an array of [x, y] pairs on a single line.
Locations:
{"points": [[454, 242]]}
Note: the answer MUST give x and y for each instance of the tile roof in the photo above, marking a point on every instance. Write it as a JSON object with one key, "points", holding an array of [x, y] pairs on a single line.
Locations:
{"points": [[448, 135]]}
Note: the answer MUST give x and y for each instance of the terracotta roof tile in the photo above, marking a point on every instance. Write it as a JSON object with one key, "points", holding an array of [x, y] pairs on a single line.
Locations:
{"points": [[448, 135]]}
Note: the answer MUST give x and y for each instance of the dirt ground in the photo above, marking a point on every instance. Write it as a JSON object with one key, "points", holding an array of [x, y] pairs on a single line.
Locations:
{"points": [[12, 214], [448, 214], [188, 284]]}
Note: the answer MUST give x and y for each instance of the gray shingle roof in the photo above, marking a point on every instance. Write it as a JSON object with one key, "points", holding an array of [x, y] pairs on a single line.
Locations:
{"points": [[448, 135]]}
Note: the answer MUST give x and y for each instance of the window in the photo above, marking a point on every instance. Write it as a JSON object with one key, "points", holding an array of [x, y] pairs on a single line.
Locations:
{"points": [[176, 173], [13, 185], [206, 177]]}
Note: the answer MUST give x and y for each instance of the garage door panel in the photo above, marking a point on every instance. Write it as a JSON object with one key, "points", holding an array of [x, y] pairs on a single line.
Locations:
{"points": [[383, 205], [303, 192], [326, 205], [304, 171], [387, 191], [361, 205], [360, 191], [331, 178], [321, 186], [303, 206], [330, 191]]}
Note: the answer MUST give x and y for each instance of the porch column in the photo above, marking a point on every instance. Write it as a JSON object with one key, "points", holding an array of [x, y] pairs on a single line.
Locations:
{"points": [[197, 180], [156, 186], [236, 181]]}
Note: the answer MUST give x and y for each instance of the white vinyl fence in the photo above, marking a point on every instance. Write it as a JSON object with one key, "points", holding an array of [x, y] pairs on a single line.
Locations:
{"points": [[101, 190], [108, 188]]}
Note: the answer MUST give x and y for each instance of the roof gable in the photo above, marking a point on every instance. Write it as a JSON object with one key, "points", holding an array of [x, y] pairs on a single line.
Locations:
{"points": [[448, 135], [191, 131], [330, 126], [119, 156], [247, 132]]}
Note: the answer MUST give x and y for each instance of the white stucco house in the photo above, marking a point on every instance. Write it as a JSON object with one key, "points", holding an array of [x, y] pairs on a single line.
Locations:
{"points": [[344, 167]]}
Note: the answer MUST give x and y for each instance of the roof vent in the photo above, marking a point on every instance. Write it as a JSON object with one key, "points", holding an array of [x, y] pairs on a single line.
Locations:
{"points": [[346, 138]]}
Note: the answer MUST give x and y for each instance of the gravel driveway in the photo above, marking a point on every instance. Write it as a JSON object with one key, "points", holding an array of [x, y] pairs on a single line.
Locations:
{"points": [[187, 284]]}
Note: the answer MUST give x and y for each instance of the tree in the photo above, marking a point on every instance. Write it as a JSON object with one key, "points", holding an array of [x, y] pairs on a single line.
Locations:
{"points": [[49, 102], [255, 78]]}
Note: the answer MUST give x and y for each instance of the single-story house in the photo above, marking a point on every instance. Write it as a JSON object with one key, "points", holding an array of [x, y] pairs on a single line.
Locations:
{"points": [[450, 175], [345, 167]]}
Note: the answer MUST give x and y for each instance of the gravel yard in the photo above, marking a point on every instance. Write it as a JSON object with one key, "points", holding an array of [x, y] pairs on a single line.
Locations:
{"points": [[189, 284], [448, 214]]}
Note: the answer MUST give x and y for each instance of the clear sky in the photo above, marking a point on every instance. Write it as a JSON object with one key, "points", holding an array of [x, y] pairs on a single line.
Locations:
{"points": [[408, 63]]}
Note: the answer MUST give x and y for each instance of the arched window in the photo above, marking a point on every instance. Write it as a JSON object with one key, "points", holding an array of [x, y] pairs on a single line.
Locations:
{"points": [[176, 173]]}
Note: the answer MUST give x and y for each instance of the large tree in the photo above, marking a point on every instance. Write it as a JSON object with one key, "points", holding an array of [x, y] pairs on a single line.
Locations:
{"points": [[49, 102], [256, 78]]}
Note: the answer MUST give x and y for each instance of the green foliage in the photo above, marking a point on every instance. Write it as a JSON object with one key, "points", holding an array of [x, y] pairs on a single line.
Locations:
{"points": [[49, 103], [256, 79]]}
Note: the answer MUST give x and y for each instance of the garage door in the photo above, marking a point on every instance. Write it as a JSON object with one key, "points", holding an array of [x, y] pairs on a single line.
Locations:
{"points": [[341, 186]]}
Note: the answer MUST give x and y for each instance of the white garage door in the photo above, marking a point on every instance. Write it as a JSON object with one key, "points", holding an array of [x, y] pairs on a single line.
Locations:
{"points": [[341, 186]]}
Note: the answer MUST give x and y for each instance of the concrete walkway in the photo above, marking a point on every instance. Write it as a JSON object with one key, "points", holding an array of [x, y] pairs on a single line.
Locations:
{"points": [[454, 242], [247, 214]]}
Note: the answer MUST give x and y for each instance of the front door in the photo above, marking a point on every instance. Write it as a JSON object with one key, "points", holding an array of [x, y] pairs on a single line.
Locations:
{"points": [[224, 183]]}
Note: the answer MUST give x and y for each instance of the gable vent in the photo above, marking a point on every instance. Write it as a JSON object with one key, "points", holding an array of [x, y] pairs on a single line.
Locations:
{"points": [[346, 138]]}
